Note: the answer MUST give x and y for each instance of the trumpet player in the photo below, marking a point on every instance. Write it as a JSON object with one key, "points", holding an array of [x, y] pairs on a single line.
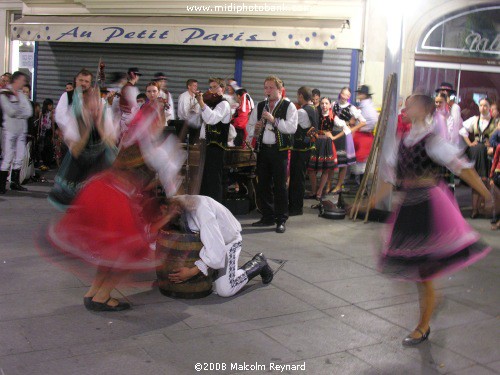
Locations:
{"points": [[273, 126]]}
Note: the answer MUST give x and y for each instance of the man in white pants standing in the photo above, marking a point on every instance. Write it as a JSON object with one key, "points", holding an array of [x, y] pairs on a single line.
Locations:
{"points": [[16, 110], [220, 233]]}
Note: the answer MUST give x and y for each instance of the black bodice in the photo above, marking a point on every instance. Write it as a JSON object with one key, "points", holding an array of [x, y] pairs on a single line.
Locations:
{"points": [[414, 162]]}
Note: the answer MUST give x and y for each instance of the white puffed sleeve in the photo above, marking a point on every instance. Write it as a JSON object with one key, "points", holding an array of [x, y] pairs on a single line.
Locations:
{"points": [[66, 119], [339, 122], [356, 113], [468, 126], [446, 154]]}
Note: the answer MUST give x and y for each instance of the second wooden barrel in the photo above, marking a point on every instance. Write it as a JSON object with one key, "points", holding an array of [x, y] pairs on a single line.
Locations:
{"points": [[174, 250]]}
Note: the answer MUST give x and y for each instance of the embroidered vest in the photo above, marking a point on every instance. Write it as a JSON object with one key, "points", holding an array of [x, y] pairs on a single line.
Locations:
{"points": [[217, 134], [301, 141], [284, 141], [481, 136]]}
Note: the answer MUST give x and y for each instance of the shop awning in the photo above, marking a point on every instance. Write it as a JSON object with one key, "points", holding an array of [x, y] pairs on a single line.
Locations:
{"points": [[319, 34]]}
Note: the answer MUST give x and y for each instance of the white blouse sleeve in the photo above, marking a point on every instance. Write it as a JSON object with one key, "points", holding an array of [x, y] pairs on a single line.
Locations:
{"points": [[356, 113], [468, 126], [66, 120], [339, 122], [446, 154]]}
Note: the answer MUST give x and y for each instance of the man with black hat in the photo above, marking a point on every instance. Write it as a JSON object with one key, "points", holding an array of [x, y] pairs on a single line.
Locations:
{"points": [[166, 96], [128, 99], [363, 132]]}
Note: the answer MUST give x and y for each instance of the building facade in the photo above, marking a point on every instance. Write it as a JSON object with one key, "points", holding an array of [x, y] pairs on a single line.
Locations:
{"points": [[326, 45]]}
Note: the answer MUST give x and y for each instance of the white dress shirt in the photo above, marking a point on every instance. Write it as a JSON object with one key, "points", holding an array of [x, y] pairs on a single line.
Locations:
{"points": [[189, 110], [170, 112], [221, 113]]}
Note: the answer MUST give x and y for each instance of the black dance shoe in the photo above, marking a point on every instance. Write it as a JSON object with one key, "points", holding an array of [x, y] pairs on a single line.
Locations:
{"points": [[98, 306], [263, 223], [411, 341], [258, 266], [280, 228], [87, 301]]}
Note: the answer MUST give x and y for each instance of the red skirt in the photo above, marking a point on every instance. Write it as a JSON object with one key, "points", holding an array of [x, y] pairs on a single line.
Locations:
{"points": [[107, 225], [363, 142]]}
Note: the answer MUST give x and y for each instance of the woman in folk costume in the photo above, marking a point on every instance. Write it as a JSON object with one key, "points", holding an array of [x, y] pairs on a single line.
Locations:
{"points": [[241, 116], [324, 155], [427, 237], [481, 128], [90, 133], [115, 218], [346, 115]]}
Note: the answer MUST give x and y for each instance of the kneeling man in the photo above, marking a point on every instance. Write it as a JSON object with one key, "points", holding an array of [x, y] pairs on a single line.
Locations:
{"points": [[220, 233]]}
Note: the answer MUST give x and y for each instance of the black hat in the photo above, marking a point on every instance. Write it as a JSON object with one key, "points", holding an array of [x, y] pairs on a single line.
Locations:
{"points": [[135, 71], [446, 86], [159, 77], [364, 89]]}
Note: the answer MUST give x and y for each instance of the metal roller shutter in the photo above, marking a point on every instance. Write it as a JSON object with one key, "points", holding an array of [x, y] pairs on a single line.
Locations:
{"points": [[328, 71], [59, 62]]}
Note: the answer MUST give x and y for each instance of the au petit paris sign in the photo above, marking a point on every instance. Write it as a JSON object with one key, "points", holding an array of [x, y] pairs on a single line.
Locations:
{"points": [[229, 36]]}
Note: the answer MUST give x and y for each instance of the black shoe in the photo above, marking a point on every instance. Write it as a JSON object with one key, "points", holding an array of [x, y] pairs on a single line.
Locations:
{"points": [[295, 213], [280, 228], [3, 181], [15, 183], [258, 266], [87, 301], [98, 306], [263, 223], [410, 341]]}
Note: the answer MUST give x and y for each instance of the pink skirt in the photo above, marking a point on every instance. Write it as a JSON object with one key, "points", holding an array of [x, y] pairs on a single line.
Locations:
{"points": [[427, 237]]}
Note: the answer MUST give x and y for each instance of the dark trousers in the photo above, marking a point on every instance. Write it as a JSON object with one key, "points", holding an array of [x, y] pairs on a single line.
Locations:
{"points": [[211, 183], [296, 191], [271, 189], [240, 135]]}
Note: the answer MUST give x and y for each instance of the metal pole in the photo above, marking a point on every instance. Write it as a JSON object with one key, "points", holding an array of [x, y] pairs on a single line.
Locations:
{"points": [[393, 57]]}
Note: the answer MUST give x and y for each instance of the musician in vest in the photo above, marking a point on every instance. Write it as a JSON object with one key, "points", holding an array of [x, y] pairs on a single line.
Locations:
{"points": [[16, 110], [273, 124], [166, 96], [216, 116], [128, 99], [308, 116]]}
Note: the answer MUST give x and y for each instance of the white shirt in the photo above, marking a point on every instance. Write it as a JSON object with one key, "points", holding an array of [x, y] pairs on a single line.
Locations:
{"points": [[303, 119], [16, 112], [470, 123], [217, 228], [66, 119], [288, 126], [368, 112], [170, 112], [221, 113], [189, 110]]}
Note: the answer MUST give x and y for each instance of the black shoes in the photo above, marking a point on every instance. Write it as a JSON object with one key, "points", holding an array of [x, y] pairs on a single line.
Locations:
{"points": [[98, 306], [410, 341], [86, 302], [280, 228], [3, 181], [258, 266], [263, 223], [15, 183]]}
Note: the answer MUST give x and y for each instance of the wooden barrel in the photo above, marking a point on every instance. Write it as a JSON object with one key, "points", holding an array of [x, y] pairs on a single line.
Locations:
{"points": [[173, 251]]}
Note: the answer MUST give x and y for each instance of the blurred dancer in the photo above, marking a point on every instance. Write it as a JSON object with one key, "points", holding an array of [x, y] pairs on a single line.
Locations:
{"points": [[90, 134], [220, 233], [128, 99], [115, 218], [427, 236]]}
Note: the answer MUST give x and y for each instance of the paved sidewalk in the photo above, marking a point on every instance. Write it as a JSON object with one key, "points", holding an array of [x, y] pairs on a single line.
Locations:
{"points": [[327, 308]]}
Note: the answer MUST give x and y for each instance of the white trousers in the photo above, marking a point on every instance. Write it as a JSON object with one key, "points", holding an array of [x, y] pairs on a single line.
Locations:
{"points": [[14, 146], [231, 279]]}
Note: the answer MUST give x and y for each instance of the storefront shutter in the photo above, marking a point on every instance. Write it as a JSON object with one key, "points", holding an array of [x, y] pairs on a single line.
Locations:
{"points": [[59, 62], [328, 71]]}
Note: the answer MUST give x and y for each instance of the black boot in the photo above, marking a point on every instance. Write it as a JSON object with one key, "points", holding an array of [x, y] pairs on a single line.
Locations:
{"points": [[3, 181], [15, 184], [258, 266]]}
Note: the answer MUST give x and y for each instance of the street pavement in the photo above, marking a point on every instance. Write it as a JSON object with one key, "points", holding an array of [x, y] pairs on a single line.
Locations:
{"points": [[328, 310]]}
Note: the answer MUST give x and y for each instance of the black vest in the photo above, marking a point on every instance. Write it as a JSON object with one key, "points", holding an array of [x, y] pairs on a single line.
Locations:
{"points": [[301, 142], [284, 141], [217, 134]]}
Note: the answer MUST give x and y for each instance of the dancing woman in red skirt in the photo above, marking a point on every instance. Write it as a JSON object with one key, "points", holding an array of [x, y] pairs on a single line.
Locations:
{"points": [[114, 220], [427, 236]]}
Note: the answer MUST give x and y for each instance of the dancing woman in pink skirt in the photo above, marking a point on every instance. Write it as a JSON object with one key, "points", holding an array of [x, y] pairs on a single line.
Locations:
{"points": [[427, 237]]}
